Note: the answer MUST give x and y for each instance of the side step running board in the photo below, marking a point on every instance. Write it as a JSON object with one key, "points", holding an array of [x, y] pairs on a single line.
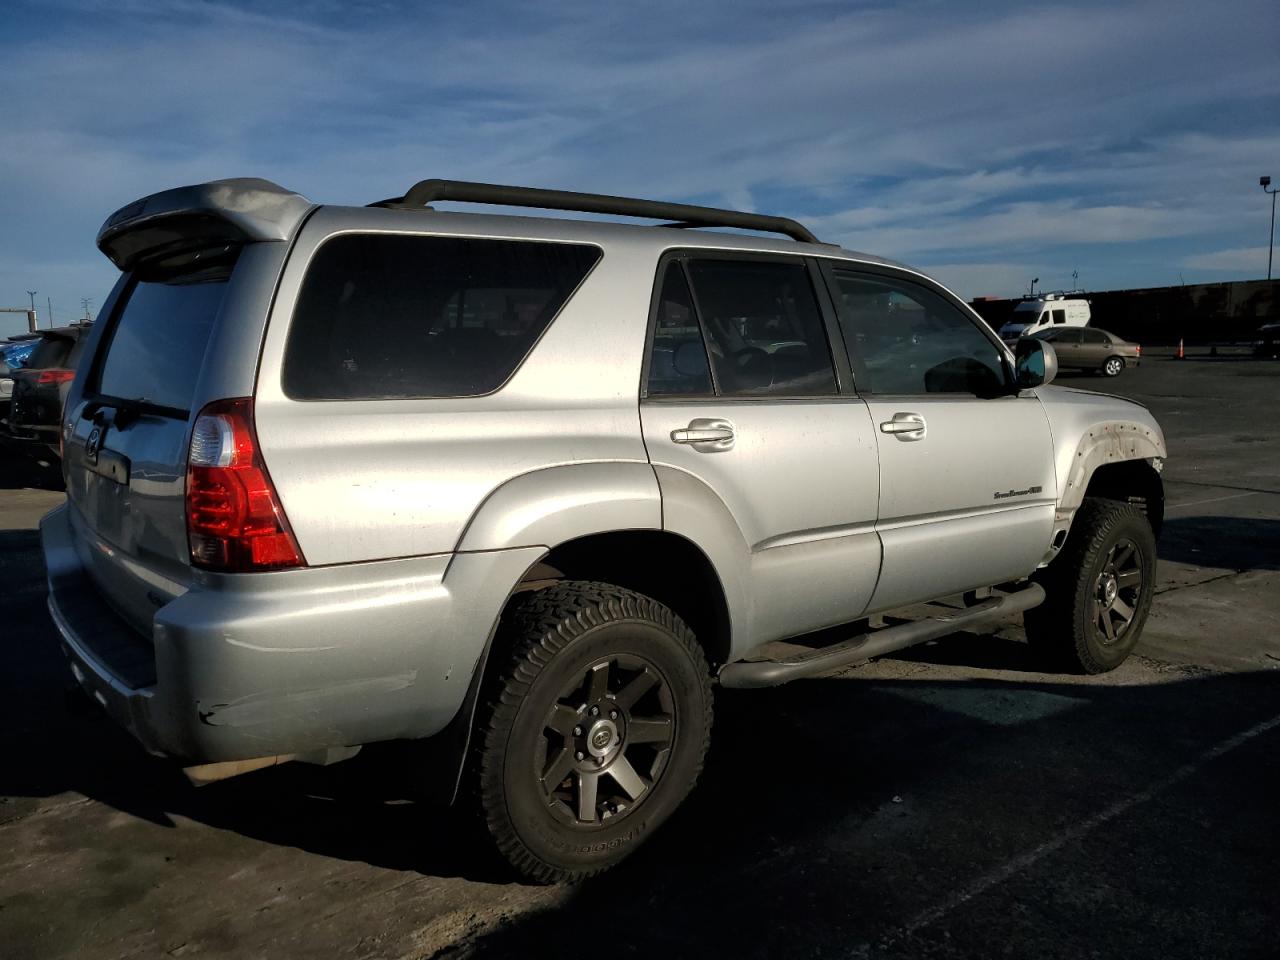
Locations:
{"points": [[770, 673]]}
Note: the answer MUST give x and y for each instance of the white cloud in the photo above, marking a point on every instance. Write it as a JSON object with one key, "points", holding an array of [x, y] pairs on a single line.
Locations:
{"points": [[1246, 260], [922, 131], [969, 280]]}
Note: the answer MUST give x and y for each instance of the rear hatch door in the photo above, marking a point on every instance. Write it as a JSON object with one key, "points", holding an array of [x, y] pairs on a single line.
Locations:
{"points": [[126, 437]]}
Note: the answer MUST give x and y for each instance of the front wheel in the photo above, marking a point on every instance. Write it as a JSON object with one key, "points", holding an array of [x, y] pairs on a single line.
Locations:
{"points": [[1098, 589], [1113, 367], [596, 730]]}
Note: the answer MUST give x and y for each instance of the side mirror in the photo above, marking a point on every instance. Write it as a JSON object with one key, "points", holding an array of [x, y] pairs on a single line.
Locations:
{"points": [[1035, 363]]}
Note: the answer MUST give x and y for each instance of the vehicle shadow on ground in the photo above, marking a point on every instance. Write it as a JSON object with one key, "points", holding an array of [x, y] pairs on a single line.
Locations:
{"points": [[976, 650], [1226, 543], [832, 815], [835, 817], [28, 466]]}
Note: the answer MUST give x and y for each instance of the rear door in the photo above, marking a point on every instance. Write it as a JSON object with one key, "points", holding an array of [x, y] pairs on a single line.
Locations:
{"points": [[126, 437], [743, 395], [1067, 344], [1095, 347], [966, 466]]}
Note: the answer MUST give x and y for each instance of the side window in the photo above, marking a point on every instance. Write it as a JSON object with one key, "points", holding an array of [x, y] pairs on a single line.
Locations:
{"points": [[1068, 335], [906, 339], [385, 316], [1059, 316], [1094, 336], [1044, 318], [764, 331], [678, 363]]}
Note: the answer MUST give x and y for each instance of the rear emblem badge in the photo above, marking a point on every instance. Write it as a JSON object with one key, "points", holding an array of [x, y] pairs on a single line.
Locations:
{"points": [[93, 445]]}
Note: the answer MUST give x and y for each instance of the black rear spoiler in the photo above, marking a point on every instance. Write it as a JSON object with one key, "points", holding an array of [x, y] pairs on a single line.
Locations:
{"points": [[174, 221]]}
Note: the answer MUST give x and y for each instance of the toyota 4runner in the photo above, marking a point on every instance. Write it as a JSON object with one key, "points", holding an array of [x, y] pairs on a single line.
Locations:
{"points": [[524, 490]]}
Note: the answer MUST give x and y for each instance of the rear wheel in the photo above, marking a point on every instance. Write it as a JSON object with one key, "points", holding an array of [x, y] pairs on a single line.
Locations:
{"points": [[1113, 367], [1098, 589], [596, 728]]}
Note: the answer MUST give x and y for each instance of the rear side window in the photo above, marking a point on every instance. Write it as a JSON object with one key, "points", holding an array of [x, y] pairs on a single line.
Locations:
{"points": [[1095, 336], [156, 348], [50, 352], [764, 331], [382, 316], [678, 363]]}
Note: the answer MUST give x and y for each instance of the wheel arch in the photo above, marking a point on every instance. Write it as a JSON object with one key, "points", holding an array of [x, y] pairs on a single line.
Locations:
{"points": [[1131, 481], [557, 504], [663, 565], [1117, 458]]}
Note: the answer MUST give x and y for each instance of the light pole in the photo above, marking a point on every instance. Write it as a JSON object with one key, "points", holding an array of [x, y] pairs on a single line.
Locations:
{"points": [[1265, 182], [1033, 286], [32, 293]]}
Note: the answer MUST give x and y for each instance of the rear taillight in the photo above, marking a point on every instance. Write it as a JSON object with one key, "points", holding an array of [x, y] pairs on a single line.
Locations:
{"points": [[1138, 350], [46, 377], [234, 520]]}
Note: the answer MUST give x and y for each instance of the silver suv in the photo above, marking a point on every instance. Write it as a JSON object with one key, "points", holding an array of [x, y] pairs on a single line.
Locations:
{"points": [[524, 490]]}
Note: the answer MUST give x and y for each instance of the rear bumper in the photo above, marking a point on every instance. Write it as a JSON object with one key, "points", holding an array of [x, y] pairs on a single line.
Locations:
{"points": [[293, 661]]}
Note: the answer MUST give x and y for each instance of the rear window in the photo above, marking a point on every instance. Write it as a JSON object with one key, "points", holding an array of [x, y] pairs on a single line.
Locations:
{"points": [[50, 352], [382, 316], [157, 345]]}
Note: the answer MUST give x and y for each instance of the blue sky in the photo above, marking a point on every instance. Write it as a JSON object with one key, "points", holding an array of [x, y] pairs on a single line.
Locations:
{"points": [[988, 143]]}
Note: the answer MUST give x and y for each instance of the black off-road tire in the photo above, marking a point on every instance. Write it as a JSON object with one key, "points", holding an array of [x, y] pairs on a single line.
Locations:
{"points": [[1068, 628], [554, 635]]}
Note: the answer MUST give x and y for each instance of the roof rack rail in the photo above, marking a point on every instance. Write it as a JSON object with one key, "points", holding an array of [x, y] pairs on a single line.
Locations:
{"points": [[686, 215]]}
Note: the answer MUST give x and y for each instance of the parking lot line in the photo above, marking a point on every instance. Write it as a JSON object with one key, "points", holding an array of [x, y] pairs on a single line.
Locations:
{"points": [[1231, 496], [1024, 860]]}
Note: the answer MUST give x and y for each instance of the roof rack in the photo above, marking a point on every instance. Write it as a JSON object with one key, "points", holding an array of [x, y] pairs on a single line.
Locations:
{"points": [[685, 215]]}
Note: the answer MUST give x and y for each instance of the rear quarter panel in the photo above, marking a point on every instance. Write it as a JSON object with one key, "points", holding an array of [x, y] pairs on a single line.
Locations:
{"points": [[365, 480]]}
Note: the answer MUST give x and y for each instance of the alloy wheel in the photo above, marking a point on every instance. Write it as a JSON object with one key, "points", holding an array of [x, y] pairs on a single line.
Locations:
{"points": [[1118, 590], [605, 741]]}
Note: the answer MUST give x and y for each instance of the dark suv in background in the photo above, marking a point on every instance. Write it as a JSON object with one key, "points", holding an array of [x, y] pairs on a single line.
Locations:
{"points": [[40, 388]]}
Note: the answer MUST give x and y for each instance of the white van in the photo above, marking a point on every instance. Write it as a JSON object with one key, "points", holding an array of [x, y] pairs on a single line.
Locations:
{"points": [[1053, 309]]}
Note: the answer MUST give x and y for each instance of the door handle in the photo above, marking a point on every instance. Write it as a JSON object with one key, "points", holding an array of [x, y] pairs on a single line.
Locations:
{"points": [[905, 426], [706, 433]]}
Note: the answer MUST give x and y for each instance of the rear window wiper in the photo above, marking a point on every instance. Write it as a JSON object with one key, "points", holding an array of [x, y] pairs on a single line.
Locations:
{"points": [[128, 409]]}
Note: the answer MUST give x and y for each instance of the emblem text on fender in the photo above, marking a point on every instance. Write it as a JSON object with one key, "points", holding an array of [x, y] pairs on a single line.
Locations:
{"points": [[1016, 493]]}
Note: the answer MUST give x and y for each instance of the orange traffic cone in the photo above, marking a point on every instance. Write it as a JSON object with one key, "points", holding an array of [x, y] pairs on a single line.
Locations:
{"points": [[1181, 354]]}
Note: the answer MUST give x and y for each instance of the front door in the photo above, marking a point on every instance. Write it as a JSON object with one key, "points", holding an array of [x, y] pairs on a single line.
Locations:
{"points": [[742, 395], [967, 486]]}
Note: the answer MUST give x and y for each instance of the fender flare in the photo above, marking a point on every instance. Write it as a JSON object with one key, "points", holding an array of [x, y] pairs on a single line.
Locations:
{"points": [[1104, 444], [1111, 442], [556, 504]]}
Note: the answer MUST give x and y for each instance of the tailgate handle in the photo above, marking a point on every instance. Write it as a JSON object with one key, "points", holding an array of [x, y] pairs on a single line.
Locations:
{"points": [[109, 464]]}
